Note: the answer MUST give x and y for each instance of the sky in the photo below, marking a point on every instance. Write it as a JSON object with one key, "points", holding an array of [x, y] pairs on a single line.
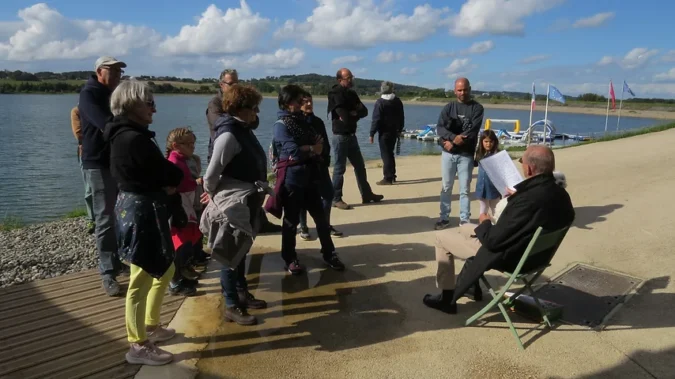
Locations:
{"points": [[578, 46]]}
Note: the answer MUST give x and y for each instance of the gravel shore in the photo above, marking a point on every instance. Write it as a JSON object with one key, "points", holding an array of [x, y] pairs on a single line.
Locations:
{"points": [[46, 250]]}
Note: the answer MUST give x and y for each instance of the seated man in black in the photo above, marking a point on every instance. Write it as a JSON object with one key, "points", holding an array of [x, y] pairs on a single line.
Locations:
{"points": [[537, 201]]}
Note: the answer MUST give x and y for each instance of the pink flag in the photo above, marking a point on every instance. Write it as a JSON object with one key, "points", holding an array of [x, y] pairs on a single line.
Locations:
{"points": [[611, 95]]}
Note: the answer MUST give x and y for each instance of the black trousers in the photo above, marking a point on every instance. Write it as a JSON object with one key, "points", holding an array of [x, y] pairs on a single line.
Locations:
{"points": [[387, 146], [296, 200]]}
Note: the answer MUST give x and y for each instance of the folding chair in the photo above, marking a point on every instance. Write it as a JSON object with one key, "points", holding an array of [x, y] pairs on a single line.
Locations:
{"points": [[542, 243]]}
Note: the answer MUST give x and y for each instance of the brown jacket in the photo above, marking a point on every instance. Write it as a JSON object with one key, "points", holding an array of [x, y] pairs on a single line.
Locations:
{"points": [[75, 124]]}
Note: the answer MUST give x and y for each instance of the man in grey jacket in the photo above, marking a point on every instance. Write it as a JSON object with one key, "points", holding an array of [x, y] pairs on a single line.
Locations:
{"points": [[458, 126]]}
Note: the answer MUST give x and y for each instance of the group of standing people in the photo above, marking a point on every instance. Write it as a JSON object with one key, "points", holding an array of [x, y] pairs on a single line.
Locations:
{"points": [[151, 209]]}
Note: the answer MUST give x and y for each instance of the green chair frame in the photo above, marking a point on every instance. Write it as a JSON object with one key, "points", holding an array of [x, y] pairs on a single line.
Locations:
{"points": [[541, 242]]}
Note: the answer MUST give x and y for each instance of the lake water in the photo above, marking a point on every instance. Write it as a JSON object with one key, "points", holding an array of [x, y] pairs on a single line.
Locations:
{"points": [[40, 178]]}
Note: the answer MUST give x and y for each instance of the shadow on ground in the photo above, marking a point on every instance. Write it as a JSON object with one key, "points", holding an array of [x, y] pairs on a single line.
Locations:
{"points": [[391, 226], [335, 311], [589, 215]]}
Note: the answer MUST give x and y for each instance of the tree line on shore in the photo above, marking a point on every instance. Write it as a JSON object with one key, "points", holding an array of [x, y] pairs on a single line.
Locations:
{"points": [[73, 81]]}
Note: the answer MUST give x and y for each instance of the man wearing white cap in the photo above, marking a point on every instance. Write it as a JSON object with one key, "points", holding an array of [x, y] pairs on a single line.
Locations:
{"points": [[94, 110]]}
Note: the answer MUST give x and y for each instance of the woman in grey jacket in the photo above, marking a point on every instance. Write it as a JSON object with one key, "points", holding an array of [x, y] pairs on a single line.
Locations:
{"points": [[239, 158]]}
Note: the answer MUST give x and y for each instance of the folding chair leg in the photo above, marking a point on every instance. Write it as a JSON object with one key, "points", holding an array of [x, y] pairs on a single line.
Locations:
{"points": [[544, 315], [513, 329], [490, 305]]}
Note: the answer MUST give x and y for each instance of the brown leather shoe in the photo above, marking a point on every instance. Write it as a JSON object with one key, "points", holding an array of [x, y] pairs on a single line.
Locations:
{"points": [[341, 205], [247, 300]]}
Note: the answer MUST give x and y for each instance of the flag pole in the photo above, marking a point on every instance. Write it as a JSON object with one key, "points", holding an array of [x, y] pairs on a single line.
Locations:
{"points": [[548, 90], [529, 126], [618, 120], [608, 99]]}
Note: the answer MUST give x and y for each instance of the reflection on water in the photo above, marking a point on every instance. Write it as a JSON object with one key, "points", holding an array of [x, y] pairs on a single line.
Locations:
{"points": [[41, 179]]}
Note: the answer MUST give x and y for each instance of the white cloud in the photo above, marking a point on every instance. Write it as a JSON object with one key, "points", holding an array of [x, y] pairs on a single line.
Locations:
{"points": [[535, 58], [346, 59], [637, 57], [45, 34], [8, 28], [422, 57], [669, 56], [389, 56], [360, 70], [235, 31], [479, 48], [459, 67], [606, 60], [593, 21], [344, 24], [409, 71], [670, 75], [504, 17], [280, 59]]}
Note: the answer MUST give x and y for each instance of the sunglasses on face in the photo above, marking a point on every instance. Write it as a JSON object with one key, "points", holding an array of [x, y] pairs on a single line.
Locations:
{"points": [[151, 104]]}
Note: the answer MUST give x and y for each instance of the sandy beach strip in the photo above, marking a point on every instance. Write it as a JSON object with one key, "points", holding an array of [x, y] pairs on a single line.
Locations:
{"points": [[552, 108]]}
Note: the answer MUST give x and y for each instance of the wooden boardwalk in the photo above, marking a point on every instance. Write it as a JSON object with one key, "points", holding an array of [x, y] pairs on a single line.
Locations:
{"points": [[66, 327]]}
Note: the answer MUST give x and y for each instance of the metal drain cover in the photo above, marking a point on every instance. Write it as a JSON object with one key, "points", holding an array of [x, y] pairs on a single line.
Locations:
{"points": [[588, 294]]}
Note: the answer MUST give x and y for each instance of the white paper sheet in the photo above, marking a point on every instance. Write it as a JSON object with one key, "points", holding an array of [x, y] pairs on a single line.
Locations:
{"points": [[501, 171]]}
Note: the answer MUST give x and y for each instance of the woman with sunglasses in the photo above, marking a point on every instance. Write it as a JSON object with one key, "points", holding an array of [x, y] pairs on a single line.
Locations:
{"points": [[145, 179]]}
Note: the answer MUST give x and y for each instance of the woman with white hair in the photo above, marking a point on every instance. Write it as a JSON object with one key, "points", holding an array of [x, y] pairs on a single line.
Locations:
{"points": [[145, 179], [388, 121]]}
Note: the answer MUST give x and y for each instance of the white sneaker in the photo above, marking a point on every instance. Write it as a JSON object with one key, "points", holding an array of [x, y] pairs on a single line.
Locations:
{"points": [[148, 354], [161, 334]]}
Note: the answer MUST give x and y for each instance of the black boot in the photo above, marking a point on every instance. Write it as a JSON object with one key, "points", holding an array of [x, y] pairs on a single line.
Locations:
{"points": [[442, 302], [239, 315]]}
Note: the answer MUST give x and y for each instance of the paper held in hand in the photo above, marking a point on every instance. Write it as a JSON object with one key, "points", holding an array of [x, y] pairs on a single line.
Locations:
{"points": [[501, 171]]}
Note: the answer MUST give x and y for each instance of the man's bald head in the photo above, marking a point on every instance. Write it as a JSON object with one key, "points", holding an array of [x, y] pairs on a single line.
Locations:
{"points": [[344, 77], [539, 159], [463, 90], [463, 81]]}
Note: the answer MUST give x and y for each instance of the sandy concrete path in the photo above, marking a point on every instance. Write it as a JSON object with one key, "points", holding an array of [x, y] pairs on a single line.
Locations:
{"points": [[369, 322]]}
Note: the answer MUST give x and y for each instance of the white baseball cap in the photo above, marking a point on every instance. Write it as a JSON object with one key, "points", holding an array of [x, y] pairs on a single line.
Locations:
{"points": [[108, 61]]}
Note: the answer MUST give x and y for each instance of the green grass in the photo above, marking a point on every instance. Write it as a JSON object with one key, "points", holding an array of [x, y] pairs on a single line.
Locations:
{"points": [[10, 223], [76, 213], [15, 82]]}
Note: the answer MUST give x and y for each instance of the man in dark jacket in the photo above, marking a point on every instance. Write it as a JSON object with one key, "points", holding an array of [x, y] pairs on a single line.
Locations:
{"points": [[458, 126], [388, 121], [538, 201], [94, 111], [214, 110], [346, 109]]}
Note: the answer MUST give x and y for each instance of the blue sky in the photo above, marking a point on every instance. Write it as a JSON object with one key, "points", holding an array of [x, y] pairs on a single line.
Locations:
{"points": [[499, 44]]}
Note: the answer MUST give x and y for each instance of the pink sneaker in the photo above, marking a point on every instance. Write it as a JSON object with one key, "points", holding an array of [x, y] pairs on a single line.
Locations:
{"points": [[160, 334], [148, 354]]}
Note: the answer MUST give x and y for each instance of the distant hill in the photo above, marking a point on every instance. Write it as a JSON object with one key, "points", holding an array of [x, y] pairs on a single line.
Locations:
{"points": [[316, 84]]}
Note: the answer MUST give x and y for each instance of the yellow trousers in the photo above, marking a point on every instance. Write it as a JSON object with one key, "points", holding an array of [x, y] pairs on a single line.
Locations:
{"points": [[144, 301]]}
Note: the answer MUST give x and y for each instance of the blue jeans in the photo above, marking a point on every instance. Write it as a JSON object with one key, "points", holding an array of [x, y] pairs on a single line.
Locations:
{"points": [[104, 190], [326, 192], [88, 195], [347, 147], [233, 281], [462, 166]]}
